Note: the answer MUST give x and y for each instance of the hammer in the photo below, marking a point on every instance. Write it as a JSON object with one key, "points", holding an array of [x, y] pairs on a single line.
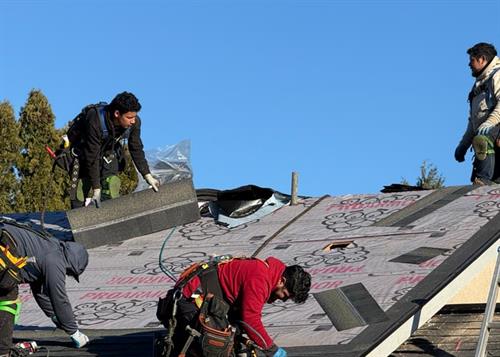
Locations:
{"points": [[192, 334]]}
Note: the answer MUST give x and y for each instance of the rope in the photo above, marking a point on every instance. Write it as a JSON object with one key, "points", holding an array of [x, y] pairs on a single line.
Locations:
{"points": [[163, 269]]}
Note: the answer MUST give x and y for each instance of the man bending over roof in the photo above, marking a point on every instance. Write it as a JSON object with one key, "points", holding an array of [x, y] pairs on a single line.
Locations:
{"points": [[234, 292], [48, 261]]}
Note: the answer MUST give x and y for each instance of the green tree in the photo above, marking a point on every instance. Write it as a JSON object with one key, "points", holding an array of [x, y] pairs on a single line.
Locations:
{"points": [[40, 188], [9, 137], [429, 178], [128, 177]]}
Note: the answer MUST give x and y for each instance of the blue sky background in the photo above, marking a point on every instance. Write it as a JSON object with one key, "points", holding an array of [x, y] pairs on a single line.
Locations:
{"points": [[353, 95]]}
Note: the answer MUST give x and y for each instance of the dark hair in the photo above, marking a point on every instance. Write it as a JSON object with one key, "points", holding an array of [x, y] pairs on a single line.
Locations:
{"points": [[298, 283], [482, 49], [125, 102]]}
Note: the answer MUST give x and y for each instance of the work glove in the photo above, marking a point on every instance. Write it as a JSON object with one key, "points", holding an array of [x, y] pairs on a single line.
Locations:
{"points": [[484, 129], [96, 197], [153, 183], [460, 153], [79, 339], [280, 353]]}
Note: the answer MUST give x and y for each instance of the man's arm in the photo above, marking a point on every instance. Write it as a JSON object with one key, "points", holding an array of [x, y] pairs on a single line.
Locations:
{"points": [[136, 148], [465, 143], [54, 287], [41, 299], [92, 147], [253, 297]]}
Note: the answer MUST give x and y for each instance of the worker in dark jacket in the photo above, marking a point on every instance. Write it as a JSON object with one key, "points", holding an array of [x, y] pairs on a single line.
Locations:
{"points": [[246, 284], [101, 150], [49, 260]]}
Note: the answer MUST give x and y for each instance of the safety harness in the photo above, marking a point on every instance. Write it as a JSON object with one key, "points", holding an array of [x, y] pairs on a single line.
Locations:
{"points": [[10, 272], [67, 156], [487, 88], [213, 330]]}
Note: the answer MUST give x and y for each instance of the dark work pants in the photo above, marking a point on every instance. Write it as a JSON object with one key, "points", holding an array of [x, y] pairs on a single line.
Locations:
{"points": [[484, 169], [7, 320]]}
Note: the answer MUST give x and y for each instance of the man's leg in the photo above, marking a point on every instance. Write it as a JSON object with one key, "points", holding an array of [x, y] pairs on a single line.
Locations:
{"points": [[82, 191], [110, 187], [7, 320], [483, 167]]}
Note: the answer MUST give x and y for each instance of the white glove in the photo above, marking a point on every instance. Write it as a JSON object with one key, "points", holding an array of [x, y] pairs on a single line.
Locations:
{"points": [[96, 198], [79, 339], [154, 183], [485, 128]]}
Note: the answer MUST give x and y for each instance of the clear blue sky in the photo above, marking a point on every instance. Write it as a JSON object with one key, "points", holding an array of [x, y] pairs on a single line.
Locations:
{"points": [[351, 94]]}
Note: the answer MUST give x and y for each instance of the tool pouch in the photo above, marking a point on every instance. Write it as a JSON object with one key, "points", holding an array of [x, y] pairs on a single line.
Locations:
{"points": [[65, 158], [217, 335]]}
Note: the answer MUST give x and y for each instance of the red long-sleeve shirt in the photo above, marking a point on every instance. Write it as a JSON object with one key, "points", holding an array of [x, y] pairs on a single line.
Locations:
{"points": [[247, 284]]}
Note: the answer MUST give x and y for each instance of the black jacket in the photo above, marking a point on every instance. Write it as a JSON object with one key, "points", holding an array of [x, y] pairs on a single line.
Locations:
{"points": [[49, 261], [94, 146]]}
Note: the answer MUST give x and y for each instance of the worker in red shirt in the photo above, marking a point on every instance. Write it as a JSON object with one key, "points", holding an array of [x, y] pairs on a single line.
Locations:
{"points": [[244, 285]]}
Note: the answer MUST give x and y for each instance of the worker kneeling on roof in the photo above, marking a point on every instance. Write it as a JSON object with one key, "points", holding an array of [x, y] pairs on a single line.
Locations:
{"points": [[29, 256], [214, 302], [92, 150]]}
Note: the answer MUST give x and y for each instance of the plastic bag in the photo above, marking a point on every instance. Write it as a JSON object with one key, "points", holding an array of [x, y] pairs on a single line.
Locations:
{"points": [[168, 164]]}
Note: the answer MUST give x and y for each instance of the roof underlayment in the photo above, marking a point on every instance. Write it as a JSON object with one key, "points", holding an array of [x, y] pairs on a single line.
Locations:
{"points": [[412, 251]]}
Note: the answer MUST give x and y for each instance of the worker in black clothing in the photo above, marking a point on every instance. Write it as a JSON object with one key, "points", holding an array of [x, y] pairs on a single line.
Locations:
{"points": [[47, 263], [100, 149]]}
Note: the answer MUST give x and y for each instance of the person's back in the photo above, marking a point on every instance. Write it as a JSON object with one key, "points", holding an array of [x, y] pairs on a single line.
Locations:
{"points": [[49, 260], [33, 245]]}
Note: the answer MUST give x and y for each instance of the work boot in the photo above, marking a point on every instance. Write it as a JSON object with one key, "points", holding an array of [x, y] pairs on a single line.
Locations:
{"points": [[482, 182]]}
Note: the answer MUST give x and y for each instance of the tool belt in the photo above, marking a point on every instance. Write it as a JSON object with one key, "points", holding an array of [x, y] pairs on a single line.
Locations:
{"points": [[217, 335]]}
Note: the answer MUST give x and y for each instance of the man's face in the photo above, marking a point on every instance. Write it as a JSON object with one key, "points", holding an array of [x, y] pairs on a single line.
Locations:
{"points": [[477, 64], [280, 292], [125, 120]]}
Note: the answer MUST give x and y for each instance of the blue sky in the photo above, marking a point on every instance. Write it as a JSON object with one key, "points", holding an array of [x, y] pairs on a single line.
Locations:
{"points": [[353, 95]]}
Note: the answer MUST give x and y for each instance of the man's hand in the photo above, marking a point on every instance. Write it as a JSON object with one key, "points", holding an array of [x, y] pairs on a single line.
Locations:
{"points": [[484, 129], [79, 339], [280, 353], [154, 183], [460, 154], [96, 197], [275, 351]]}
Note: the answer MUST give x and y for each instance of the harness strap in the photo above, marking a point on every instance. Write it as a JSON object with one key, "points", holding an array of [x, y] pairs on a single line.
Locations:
{"points": [[490, 97], [7, 259], [5, 305], [486, 87], [210, 282], [12, 222], [101, 112], [74, 175]]}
